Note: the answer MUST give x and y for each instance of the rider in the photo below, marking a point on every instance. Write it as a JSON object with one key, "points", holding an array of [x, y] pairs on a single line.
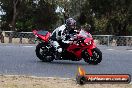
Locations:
{"points": [[62, 34]]}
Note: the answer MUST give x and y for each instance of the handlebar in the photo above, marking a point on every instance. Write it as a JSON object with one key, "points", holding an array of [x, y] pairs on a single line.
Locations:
{"points": [[77, 41]]}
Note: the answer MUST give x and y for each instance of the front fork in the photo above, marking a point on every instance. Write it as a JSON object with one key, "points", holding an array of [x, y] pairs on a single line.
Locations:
{"points": [[90, 52]]}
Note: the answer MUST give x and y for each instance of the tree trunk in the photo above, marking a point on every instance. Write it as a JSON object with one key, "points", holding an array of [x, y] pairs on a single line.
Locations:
{"points": [[13, 22], [1, 37]]}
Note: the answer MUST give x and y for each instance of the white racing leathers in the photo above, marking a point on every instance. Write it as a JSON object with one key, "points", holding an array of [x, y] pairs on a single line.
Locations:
{"points": [[58, 34]]}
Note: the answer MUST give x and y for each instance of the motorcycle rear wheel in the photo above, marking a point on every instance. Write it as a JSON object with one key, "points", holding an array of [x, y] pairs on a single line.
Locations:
{"points": [[95, 59], [43, 52]]}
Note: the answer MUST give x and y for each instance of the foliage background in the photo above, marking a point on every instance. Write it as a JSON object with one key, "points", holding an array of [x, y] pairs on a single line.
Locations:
{"points": [[112, 17]]}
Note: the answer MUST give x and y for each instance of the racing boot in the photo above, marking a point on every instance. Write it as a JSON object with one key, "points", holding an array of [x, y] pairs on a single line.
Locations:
{"points": [[59, 53]]}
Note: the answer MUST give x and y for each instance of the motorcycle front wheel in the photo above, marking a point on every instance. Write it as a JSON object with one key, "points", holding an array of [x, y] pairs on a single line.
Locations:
{"points": [[43, 52], [96, 57]]}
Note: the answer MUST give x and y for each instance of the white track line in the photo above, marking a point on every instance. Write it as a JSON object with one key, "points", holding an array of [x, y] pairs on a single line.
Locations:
{"points": [[110, 49], [130, 50], [28, 46], [38, 77]]}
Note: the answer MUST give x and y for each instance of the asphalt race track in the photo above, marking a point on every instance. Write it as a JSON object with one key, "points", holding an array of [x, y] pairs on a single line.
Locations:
{"points": [[21, 60]]}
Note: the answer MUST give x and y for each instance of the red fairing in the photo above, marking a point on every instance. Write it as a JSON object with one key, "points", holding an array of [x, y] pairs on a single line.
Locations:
{"points": [[87, 40], [47, 36], [87, 45], [92, 45], [43, 37], [76, 52], [90, 40], [35, 32], [89, 51]]}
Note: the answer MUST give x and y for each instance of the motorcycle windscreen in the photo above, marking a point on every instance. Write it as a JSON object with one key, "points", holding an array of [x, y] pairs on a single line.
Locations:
{"points": [[44, 35], [41, 32], [85, 34]]}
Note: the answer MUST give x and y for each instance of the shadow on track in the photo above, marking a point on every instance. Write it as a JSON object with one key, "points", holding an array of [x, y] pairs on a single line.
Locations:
{"points": [[62, 62]]}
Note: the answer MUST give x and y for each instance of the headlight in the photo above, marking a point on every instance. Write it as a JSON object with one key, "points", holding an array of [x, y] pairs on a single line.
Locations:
{"points": [[89, 43], [36, 36]]}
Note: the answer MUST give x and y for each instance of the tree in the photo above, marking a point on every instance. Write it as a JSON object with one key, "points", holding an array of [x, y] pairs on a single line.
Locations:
{"points": [[115, 13], [24, 15], [44, 16]]}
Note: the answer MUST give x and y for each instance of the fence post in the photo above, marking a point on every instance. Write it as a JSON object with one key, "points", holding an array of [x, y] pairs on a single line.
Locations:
{"points": [[10, 37], [108, 42], [1, 37], [20, 39]]}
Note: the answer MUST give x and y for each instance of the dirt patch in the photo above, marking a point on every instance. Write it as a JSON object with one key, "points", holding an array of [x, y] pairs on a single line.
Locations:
{"points": [[37, 82]]}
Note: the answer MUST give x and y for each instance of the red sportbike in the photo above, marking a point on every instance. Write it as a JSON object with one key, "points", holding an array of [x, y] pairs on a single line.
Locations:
{"points": [[83, 47]]}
